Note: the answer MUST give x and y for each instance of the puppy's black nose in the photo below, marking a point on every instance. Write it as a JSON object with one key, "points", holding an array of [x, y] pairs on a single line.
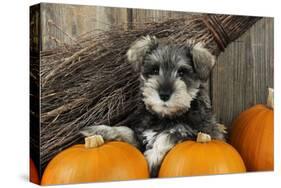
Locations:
{"points": [[164, 96]]}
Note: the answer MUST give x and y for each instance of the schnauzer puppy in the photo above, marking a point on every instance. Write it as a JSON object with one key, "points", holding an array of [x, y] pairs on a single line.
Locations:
{"points": [[175, 104]]}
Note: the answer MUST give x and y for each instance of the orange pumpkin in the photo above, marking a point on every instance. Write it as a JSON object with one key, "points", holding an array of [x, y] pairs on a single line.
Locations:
{"points": [[33, 173], [96, 161], [192, 158], [253, 135]]}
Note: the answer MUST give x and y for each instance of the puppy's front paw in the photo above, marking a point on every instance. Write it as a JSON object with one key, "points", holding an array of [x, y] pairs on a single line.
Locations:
{"points": [[109, 133], [154, 160]]}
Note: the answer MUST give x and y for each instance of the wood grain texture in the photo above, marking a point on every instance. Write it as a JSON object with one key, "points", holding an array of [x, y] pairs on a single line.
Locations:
{"points": [[62, 23], [142, 15], [243, 72]]}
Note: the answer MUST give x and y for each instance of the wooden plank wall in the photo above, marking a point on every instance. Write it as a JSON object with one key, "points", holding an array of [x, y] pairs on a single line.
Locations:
{"points": [[243, 72], [63, 23], [239, 80]]}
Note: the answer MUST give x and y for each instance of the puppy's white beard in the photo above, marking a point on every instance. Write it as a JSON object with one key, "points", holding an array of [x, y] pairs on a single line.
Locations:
{"points": [[178, 103]]}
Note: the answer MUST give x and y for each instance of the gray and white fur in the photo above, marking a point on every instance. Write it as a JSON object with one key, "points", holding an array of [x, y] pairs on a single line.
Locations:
{"points": [[174, 106]]}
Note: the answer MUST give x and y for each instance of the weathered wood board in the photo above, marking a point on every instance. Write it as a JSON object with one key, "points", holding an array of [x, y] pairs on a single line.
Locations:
{"points": [[239, 80], [63, 23], [243, 72]]}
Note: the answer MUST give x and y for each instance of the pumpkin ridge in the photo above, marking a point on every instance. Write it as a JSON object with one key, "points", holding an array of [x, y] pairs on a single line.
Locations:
{"points": [[263, 137], [252, 135], [258, 121], [243, 121], [251, 124]]}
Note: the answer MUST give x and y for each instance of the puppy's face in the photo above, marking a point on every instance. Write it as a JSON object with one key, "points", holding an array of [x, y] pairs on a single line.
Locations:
{"points": [[170, 77], [169, 82]]}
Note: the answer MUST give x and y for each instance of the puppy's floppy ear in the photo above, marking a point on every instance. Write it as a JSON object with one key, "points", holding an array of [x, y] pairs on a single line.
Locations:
{"points": [[203, 61], [139, 49]]}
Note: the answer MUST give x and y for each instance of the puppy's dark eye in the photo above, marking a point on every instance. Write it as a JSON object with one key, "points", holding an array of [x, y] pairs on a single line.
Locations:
{"points": [[154, 71], [182, 72]]}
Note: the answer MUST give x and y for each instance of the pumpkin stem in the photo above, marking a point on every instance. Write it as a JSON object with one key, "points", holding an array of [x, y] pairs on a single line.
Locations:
{"points": [[270, 98], [93, 141], [203, 138]]}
